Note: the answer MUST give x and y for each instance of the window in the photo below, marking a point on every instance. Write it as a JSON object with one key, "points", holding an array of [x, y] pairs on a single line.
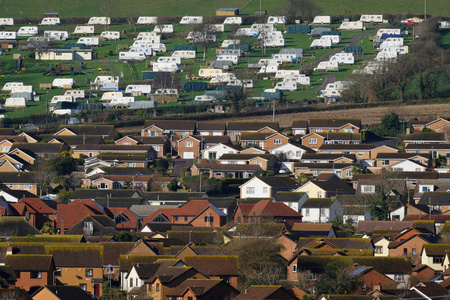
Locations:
{"points": [[438, 259], [83, 286], [277, 141], [379, 249], [319, 194], [17, 274], [156, 148], [17, 186], [127, 143], [265, 190], [232, 162], [176, 218], [398, 277], [35, 275], [425, 188], [405, 251], [298, 154], [102, 185], [157, 287], [89, 272], [28, 186], [189, 144], [250, 190], [311, 276], [152, 133], [5, 148], [306, 212], [209, 219], [312, 141], [349, 173], [385, 162], [413, 251], [294, 268], [185, 218], [90, 154], [11, 186], [360, 153], [212, 155], [367, 189], [88, 228], [131, 165], [131, 282]]}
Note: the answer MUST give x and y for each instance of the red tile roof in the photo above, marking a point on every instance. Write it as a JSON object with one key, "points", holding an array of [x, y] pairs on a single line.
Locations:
{"points": [[268, 208], [32, 205], [72, 213]]}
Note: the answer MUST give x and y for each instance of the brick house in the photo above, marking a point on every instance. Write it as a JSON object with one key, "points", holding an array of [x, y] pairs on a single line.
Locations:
{"points": [[190, 147], [36, 211], [314, 140], [224, 267], [160, 144], [266, 211], [236, 128], [60, 293], [334, 125], [411, 247], [202, 289], [265, 161], [264, 140], [438, 125], [215, 170], [266, 187], [368, 279], [20, 181], [211, 128]]}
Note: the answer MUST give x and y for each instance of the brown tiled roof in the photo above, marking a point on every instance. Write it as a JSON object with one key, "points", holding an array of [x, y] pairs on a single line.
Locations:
{"points": [[214, 265], [245, 156], [174, 125], [425, 136], [370, 226], [254, 136], [214, 126], [333, 122], [328, 166], [7, 131], [122, 156], [346, 147], [17, 177], [200, 288], [267, 208], [327, 156], [76, 256], [258, 292], [80, 140], [401, 155], [114, 148], [340, 136], [251, 126], [435, 198], [88, 129], [334, 185], [41, 148], [29, 262], [227, 167], [66, 292], [150, 140], [299, 124], [433, 146], [312, 227], [214, 139], [279, 182], [32, 205]]}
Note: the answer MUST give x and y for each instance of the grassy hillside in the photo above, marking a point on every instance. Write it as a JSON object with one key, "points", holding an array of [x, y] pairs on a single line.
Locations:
{"points": [[66, 8]]}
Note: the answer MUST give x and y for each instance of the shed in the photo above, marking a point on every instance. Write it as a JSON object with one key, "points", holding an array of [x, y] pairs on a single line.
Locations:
{"points": [[299, 29], [227, 12], [194, 86]]}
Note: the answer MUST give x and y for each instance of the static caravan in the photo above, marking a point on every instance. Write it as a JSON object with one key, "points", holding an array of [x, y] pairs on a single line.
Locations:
{"points": [[322, 20], [147, 20], [301, 79], [184, 54], [268, 69], [57, 99], [387, 55], [217, 28], [286, 86], [270, 61], [108, 86], [155, 39], [149, 35], [258, 27], [174, 59], [392, 42], [76, 94], [285, 57], [196, 36], [15, 102], [358, 25], [105, 79], [63, 82], [371, 18], [246, 32], [142, 43], [83, 29], [166, 92], [62, 112], [281, 74], [204, 98], [6, 22], [99, 21], [328, 66], [273, 42], [277, 20], [390, 31], [223, 78], [50, 21], [235, 82], [335, 39], [343, 58], [56, 35], [157, 47], [9, 85], [8, 35], [119, 102], [233, 21], [89, 41], [108, 96], [233, 58], [166, 28], [138, 88], [22, 89], [321, 43], [191, 20], [166, 67], [111, 35], [227, 43], [147, 51], [333, 89], [230, 52], [130, 55], [209, 73], [27, 31]]}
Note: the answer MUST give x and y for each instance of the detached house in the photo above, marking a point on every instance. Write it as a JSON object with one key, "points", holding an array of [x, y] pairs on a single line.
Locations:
{"points": [[321, 210], [190, 147], [160, 144], [266, 211], [325, 189], [315, 140], [216, 151], [211, 128], [438, 125], [265, 140], [169, 128], [266, 187], [265, 161]]}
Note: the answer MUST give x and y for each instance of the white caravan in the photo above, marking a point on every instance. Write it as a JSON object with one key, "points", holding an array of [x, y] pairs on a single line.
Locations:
{"points": [[321, 43], [15, 102], [281, 74], [83, 29], [301, 79], [184, 54], [61, 98], [138, 88], [8, 35], [99, 21], [226, 43], [22, 89], [150, 35], [132, 55], [173, 59], [289, 86], [209, 73], [204, 98], [76, 94], [233, 58], [166, 92], [277, 20], [56, 35], [108, 96], [166, 67], [9, 85], [119, 102], [146, 50], [322, 20], [63, 82], [358, 25], [147, 20], [328, 66], [343, 58], [6, 22], [50, 21], [105, 79], [27, 31], [233, 21], [111, 35], [89, 41], [166, 28], [371, 18], [390, 31], [285, 57], [191, 20]]}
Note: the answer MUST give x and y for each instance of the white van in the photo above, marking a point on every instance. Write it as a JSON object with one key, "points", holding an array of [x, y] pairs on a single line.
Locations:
{"points": [[138, 88], [61, 98], [191, 20], [27, 31], [277, 20], [99, 21], [147, 20], [132, 55], [233, 21], [89, 41], [50, 21], [184, 54], [6, 22], [166, 28], [56, 35], [82, 29], [111, 35], [166, 67], [8, 35]]}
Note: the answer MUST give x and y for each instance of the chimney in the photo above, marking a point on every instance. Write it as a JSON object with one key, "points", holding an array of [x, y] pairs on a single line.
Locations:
{"points": [[9, 250]]}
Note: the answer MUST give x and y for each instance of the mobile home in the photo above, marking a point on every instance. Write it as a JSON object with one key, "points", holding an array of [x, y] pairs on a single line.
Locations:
{"points": [[105, 79], [61, 98], [233, 58], [343, 58], [285, 57], [108, 96], [89, 41], [6, 22], [222, 78], [322, 20], [83, 29], [56, 35], [63, 82], [387, 55], [147, 20], [138, 88], [130, 55], [184, 54], [333, 90], [99, 21], [391, 42], [166, 67], [371, 18], [15, 102], [328, 66], [27, 31], [270, 61], [22, 89], [217, 28], [358, 25], [233, 21], [76, 94], [335, 38], [209, 73], [166, 92], [111, 35], [50, 21], [8, 35], [301, 79], [246, 32], [390, 31], [9, 85], [146, 50], [191, 20], [286, 86], [277, 20], [204, 98], [258, 27], [119, 102], [268, 69], [321, 43], [166, 28], [174, 59], [280, 74], [230, 52], [226, 43]]}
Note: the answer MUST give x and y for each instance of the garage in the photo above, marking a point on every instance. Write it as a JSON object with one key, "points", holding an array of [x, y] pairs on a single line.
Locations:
{"points": [[188, 155]]}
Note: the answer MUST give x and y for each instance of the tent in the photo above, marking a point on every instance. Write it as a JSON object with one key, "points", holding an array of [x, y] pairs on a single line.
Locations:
{"points": [[194, 86]]}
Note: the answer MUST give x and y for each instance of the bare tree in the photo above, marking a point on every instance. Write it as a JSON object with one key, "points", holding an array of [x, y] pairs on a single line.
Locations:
{"points": [[109, 9], [205, 36]]}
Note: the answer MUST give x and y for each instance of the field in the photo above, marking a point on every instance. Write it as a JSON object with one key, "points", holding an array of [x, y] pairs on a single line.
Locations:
{"points": [[67, 8]]}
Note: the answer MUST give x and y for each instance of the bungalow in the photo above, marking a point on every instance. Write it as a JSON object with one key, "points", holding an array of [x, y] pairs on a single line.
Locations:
{"points": [[264, 140], [321, 210], [60, 292], [425, 138], [85, 151], [266, 187], [42, 150], [259, 292], [328, 158], [386, 160], [74, 140], [300, 127], [411, 247], [433, 256], [36, 211], [215, 170], [170, 128], [25, 155], [369, 279], [211, 128], [216, 151], [325, 189], [435, 150], [342, 170], [438, 125], [93, 225], [315, 140], [198, 289], [362, 151], [225, 267], [355, 207], [160, 144], [437, 201], [290, 151], [106, 181]]}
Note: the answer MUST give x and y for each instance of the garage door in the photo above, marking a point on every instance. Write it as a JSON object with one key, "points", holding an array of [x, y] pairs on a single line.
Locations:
{"points": [[188, 155]]}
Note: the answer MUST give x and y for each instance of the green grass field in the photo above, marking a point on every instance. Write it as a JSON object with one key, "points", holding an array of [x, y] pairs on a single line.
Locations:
{"points": [[67, 8]]}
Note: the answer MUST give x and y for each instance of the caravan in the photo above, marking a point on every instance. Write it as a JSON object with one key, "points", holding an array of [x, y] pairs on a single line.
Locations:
{"points": [[166, 67], [191, 20], [132, 55], [105, 79], [27, 31], [328, 66], [209, 73], [50, 21], [163, 28], [322, 20], [281, 74], [76, 94], [216, 28], [371, 18], [99, 21], [233, 58], [343, 58], [390, 31], [184, 54], [15, 102], [173, 59], [139, 89], [147, 20], [358, 25], [82, 29], [108, 96], [278, 20], [146, 50], [10, 85], [56, 35], [223, 78], [119, 102], [6, 22], [60, 98], [301, 79], [290, 58], [233, 21], [89, 41], [227, 43], [8, 35], [63, 83], [321, 43], [111, 35], [286, 86]]}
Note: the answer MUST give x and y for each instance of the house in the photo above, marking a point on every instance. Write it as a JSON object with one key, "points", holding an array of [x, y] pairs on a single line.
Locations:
{"points": [[424, 138], [18, 164], [325, 189], [290, 151], [411, 247], [369, 227], [216, 170], [321, 210], [36, 211], [16, 226], [266, 187], [437, 202], [216, 151], [328, 158], [106, 131], [202, 289], [93, 225], [315, 140], [430, 290], [103, 193], [355, 207], [389, 160], [257, 292], [362, 151], [32, 270], [160, 144], [106, 181], [236, 128], [87, 151], [60, 292], [265, 161], [438, 125], [342, 170], [24, 155], [433, 256], [73, 140], [20, 181], [300, 127], [225, 267], [369, 279], [190, 147], [70, 214], [42, 150], [434, 149], [264, 140], [291, 199], [169, 128], [211, 128], [266, 211], [334, 125], [124, 159]]}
